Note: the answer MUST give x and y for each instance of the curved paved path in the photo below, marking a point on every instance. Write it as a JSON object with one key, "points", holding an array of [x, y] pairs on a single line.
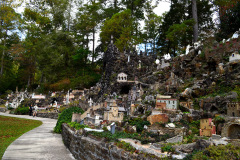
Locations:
{"points": [[38, 144]]}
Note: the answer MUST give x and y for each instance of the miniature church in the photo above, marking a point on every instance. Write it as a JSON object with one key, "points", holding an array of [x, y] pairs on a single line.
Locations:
{"points": [[114, 114], [122, 77]]}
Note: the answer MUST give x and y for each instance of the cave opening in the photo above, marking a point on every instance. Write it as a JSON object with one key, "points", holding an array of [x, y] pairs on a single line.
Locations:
{"points": [[234, 131], [125, 89]]}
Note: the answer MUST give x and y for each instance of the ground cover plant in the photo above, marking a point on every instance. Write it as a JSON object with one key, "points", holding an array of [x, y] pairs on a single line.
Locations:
{"points": [[12, 128], [77, 126], [143, 137], [220, 152]]}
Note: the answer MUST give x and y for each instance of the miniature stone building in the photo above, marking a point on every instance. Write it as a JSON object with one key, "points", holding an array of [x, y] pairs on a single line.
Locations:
{"points": [[122, 77], [233, 109], [109, 102], [93, 119], [207, 128], [166, 103], [234, 56], [115, 113]]}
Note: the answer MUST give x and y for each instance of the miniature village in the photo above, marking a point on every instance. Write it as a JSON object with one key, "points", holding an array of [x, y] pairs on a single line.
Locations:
{"points": [[189, 102]]}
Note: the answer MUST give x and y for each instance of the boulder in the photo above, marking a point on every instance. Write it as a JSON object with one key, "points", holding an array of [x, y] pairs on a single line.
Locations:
{"points": [[202, 144], [175, 139]]}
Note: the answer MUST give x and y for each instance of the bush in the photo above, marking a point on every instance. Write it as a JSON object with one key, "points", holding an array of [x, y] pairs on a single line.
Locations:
{"points": [[126, 146], [167, 148], [66, 117], [77, 126], [114, 137], [219, 152], [22, 110], [139, 123]]}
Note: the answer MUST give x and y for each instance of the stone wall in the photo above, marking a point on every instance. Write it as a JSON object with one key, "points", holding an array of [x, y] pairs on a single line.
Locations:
{"points": [[48, 115], [90, 148], [2, 109]]}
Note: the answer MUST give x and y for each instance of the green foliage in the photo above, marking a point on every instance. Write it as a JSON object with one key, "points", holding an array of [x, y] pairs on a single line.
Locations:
{"points": [[114, 137], [229, 18], [22, 110], [66, 117], [202, 55], [175, 32], [126, 146], [167, 148], [121, 26], [77, 126], [219, 119], [139, 123], [220, 152]]}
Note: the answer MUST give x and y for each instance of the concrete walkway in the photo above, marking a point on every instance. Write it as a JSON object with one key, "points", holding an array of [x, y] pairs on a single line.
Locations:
{"points": [[38, 144]]}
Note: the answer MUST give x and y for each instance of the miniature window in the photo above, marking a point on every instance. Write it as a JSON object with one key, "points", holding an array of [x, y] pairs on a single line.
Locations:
{"points": [[233, 114], [125, 78], [168, 102], [173, 102]]}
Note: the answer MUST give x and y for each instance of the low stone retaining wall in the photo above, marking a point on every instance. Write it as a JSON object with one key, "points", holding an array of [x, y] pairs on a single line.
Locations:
{"points": [[2, 109], [86, 148], [48, 115]]}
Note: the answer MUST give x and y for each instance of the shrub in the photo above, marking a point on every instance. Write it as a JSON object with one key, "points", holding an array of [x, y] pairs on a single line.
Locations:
{"points": [[77, 126], [167, 148], [114, 137], [66, 117], [139, 123], [22, 110], [219, 152], [126, 146]]}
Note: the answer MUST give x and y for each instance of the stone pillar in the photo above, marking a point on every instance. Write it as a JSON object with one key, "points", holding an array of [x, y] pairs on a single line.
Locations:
{"points": [[76, 117]]}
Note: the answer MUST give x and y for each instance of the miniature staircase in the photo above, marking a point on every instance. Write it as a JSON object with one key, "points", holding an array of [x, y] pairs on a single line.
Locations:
{"points": [[88, 111]]}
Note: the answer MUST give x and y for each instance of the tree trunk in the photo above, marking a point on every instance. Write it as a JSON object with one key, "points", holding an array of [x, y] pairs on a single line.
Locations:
{"points": [[93, 50], [3, 53], [194, 14], [115, 4]]}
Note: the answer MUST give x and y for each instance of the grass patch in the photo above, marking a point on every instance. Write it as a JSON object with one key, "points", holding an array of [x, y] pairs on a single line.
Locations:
{"points": [[11, 128]]}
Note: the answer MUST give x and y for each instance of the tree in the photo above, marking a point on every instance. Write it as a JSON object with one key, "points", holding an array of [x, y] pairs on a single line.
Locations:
{"points": [[229, 13], [9, 21], [120, 28], [152, 23], [184, 10]]}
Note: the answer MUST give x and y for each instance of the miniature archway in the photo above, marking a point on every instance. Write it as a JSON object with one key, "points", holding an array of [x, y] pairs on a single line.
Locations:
{"points": [[234, 131]]}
